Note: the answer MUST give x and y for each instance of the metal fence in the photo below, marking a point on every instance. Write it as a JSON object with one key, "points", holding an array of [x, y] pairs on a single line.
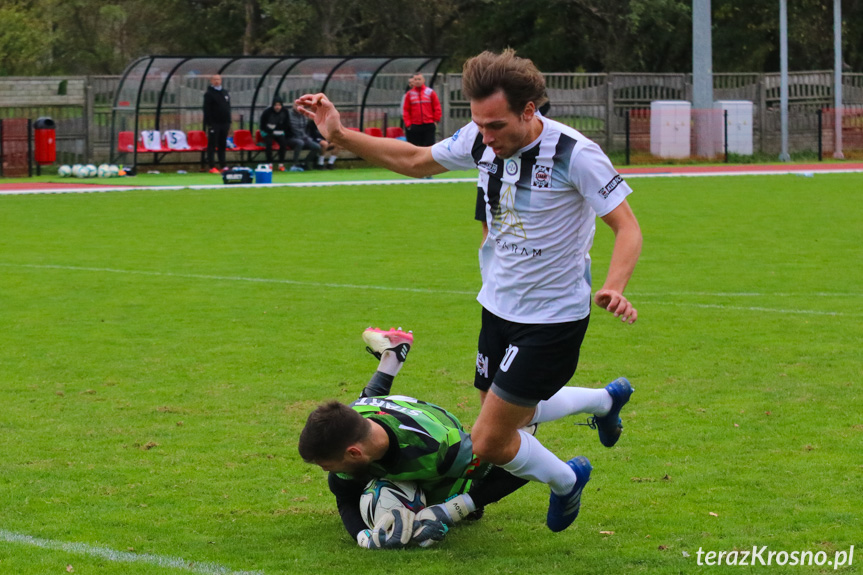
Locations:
{"points": [[595, 104]]}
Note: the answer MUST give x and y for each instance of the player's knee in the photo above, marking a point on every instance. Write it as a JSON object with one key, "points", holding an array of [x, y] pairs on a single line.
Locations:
{"points": [[492, 448]]}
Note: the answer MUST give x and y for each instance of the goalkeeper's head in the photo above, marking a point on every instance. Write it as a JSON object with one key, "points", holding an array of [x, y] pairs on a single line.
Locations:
{"points": [[336, 438]]}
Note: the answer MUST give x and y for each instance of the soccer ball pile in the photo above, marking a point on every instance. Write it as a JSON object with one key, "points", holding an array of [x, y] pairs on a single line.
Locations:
{"points": [[90, 171], [381, 495]]}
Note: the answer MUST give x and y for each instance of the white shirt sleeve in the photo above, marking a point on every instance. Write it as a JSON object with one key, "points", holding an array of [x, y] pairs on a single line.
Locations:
{"points": [[597, 180], [454, 153]]}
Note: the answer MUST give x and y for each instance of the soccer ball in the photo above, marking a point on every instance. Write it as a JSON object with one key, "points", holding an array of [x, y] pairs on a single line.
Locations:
{"points": [[64, 171], [76, 171], [91, 171], [381, 495], [114, 171], [104, 171]]}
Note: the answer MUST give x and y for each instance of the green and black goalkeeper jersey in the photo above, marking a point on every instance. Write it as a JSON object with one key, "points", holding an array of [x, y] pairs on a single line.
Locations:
{"points": [[428, 446]]}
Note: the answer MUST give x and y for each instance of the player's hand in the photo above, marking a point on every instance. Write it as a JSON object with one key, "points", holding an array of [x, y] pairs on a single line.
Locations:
{"points": [[615, 302], [318, 108], [428, 530], [395, 529]]}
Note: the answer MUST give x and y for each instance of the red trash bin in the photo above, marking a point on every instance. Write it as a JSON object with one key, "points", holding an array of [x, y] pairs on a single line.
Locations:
{"points": [[45, 139]]}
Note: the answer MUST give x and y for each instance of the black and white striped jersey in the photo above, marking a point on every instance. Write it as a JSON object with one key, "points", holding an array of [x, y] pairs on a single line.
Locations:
{"points": [[541, 206]]}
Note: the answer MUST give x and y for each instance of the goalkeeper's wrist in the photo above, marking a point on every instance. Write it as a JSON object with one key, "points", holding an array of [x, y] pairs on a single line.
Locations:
{"points": [[459, 507]]}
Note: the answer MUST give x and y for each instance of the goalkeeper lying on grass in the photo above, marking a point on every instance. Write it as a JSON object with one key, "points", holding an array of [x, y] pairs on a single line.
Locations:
{"points": [[403, 439], [400, 439]]}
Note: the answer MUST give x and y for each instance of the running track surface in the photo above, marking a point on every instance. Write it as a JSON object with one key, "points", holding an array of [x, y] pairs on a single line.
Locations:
{"points": [[660, 171]]}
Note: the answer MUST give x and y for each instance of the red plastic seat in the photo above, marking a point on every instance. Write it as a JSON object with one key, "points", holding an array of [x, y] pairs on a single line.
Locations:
{"points": [[376, 132], [126, 142], [395, 132], [243, 141], [197, 140]]}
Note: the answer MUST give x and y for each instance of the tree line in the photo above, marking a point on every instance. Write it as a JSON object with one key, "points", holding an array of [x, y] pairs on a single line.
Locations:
{"points": [[44, 37]]}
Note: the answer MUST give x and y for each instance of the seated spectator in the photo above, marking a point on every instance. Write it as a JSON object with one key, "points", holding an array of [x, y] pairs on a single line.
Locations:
{"points": [[274, 125], [301, 138]]}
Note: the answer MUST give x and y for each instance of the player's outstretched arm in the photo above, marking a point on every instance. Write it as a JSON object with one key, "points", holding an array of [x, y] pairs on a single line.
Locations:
{"points": [[396, 155], [627, 248]]}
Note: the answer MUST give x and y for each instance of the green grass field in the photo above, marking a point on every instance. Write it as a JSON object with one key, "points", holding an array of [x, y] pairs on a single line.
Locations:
{"points": [[159, 352]]}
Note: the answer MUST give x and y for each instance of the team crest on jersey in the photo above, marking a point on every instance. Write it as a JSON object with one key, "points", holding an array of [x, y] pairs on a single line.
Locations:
{"points": [[511, 167], [541, 177]]}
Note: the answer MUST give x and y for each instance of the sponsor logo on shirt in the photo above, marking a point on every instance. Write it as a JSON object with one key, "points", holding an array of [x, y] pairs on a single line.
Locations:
{"points": [[491, 167], [511, 167], [516, 249], [541, 177], [382, 403], [609, 187]]}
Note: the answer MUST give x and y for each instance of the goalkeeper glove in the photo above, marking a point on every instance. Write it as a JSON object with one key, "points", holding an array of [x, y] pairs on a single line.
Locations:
{"points": [[393, 530], [428, 531]]}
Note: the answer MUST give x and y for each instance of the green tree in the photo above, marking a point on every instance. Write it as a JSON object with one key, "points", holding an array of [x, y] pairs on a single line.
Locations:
{"points": [[103, 36], [24, 41], [589, 35]]}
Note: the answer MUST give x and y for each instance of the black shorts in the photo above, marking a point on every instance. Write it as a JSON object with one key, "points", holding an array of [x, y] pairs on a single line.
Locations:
{"points": [[526, 363]]}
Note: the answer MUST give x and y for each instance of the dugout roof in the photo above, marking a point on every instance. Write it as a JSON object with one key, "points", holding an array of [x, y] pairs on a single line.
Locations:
{"points": [[166, 92]]}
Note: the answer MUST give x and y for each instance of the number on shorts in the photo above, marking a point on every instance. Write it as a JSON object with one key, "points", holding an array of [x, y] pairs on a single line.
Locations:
{"points": [[508, 356]]}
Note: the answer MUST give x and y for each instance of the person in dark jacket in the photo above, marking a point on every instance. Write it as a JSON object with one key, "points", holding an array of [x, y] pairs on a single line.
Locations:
{"points": [[302, 136], [217, 121], [274, 125]]}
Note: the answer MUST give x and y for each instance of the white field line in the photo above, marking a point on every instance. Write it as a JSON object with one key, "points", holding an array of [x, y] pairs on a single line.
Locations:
{"points": [[760, 309], [634, 295], [245, 279], [121, 556], [125, 188]]}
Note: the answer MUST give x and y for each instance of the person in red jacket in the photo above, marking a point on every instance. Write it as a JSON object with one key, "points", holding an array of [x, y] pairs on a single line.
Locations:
{"points": [[421, 111]]}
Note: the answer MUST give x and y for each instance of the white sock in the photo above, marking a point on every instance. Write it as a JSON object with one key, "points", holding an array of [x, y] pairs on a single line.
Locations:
{"points": [[572, 400], [390, 363], [320, 160], [332, 159], [535, 462]]}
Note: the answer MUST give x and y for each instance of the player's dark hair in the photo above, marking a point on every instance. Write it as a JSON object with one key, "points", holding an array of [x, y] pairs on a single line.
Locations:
{"points": [[330, 430], [519, 80]]}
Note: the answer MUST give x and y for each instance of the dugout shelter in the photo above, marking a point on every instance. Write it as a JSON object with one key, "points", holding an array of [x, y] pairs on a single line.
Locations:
{"points": [[162, 93]]}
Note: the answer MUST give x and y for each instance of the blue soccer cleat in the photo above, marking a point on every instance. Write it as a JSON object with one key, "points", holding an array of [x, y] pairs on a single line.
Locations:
{"points": [[563, 509], [609, 425]]}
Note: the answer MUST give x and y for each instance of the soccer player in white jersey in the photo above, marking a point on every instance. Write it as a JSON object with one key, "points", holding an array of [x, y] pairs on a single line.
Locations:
{"points": [[544, 184]]}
